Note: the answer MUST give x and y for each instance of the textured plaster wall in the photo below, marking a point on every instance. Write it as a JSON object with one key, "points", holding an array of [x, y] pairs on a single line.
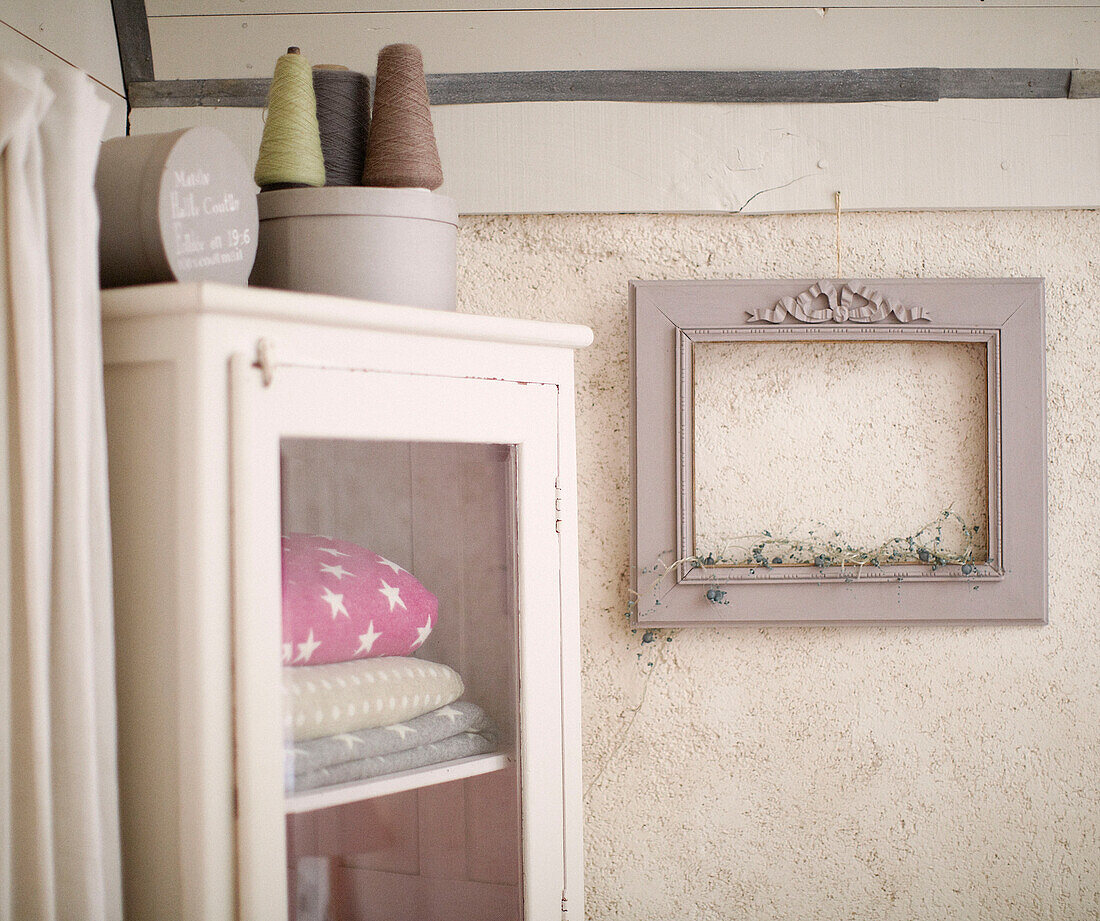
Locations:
{"points": [[898, 435], [924, 772]]}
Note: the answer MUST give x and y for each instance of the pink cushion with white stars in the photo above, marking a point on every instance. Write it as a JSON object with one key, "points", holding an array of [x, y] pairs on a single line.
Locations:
{"points": [[342, 601]]}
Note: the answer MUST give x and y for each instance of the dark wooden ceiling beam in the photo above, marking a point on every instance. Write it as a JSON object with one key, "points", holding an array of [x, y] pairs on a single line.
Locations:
{"points": [[763, 86], [135, 51]]}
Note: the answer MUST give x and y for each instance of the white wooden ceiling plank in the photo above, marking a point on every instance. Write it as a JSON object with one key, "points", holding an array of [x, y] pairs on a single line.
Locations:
{"points": [[248, 46], [244, 127], [279, 7], [759, 159], [16, 47], [80, 32]]}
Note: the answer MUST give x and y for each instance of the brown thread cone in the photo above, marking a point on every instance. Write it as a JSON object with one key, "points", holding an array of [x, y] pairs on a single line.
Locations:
{"points": [[401, 151]]}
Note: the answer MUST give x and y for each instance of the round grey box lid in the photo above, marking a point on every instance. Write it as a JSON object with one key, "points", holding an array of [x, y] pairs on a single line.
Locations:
{"points": [[366, 201]]}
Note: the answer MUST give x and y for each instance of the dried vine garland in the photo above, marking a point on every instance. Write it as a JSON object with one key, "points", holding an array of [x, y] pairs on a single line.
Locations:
{"points": [[767, 550]]}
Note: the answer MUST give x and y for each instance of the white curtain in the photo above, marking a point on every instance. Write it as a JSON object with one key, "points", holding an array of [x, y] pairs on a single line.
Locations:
{"points": [[59, 839]]}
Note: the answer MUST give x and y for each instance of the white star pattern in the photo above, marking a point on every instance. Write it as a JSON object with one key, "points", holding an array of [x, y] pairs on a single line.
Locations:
{"points": [[392, 593], [450, 712], [401, 729], [349, 740], [288, 651], [333, 551], [366, 640], [336, 570], [335, 603], [422, 634], [382, 561], [307, 649]]}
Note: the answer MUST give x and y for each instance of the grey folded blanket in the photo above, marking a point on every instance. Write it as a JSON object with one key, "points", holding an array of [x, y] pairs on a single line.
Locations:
{"points": [[458, 730], [462, 745]]}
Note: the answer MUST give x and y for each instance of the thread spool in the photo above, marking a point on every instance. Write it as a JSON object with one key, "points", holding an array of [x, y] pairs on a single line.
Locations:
{"points": [[401, 149], [343, 116], [290, 149]]}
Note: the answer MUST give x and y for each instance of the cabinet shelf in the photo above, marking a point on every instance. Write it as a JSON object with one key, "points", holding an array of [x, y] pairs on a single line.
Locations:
{"points": [[341, 794]]}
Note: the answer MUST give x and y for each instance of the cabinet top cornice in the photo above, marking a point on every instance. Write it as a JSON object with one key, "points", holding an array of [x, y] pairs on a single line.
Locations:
{"points": [[208, 298]]}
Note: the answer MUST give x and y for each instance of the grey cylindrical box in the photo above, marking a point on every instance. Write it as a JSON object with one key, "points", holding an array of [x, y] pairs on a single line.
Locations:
{"points": [[396, 246], [179, 206]]}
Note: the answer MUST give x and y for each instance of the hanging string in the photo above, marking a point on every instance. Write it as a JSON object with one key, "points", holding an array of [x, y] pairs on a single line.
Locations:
{"points": [[836, 196], [343, 117], [290, 150], [401, 149]]}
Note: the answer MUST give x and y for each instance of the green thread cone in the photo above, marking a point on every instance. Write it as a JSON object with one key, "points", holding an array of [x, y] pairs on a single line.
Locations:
{"points": [[290, 150]]}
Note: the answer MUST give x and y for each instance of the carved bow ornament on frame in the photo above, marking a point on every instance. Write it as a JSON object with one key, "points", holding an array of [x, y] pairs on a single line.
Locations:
{"points": [[823, 302]]}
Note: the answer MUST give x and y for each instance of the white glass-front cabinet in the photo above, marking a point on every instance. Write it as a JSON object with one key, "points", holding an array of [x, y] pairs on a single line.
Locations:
{"points": [[347, 641]]}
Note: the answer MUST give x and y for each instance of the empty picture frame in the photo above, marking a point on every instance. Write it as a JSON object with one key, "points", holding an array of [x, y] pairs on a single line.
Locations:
{"points": [[755, 399]]}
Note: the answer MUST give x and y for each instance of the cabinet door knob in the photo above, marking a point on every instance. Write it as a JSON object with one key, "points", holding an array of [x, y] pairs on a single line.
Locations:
{"points": [[265, 360]]}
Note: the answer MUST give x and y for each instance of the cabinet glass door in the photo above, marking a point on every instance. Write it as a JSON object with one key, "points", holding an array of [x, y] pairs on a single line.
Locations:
{"points": [[397, 644]]}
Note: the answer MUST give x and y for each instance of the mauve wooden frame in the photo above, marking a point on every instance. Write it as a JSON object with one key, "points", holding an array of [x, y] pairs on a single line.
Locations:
{"points": [[669, 317]]}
